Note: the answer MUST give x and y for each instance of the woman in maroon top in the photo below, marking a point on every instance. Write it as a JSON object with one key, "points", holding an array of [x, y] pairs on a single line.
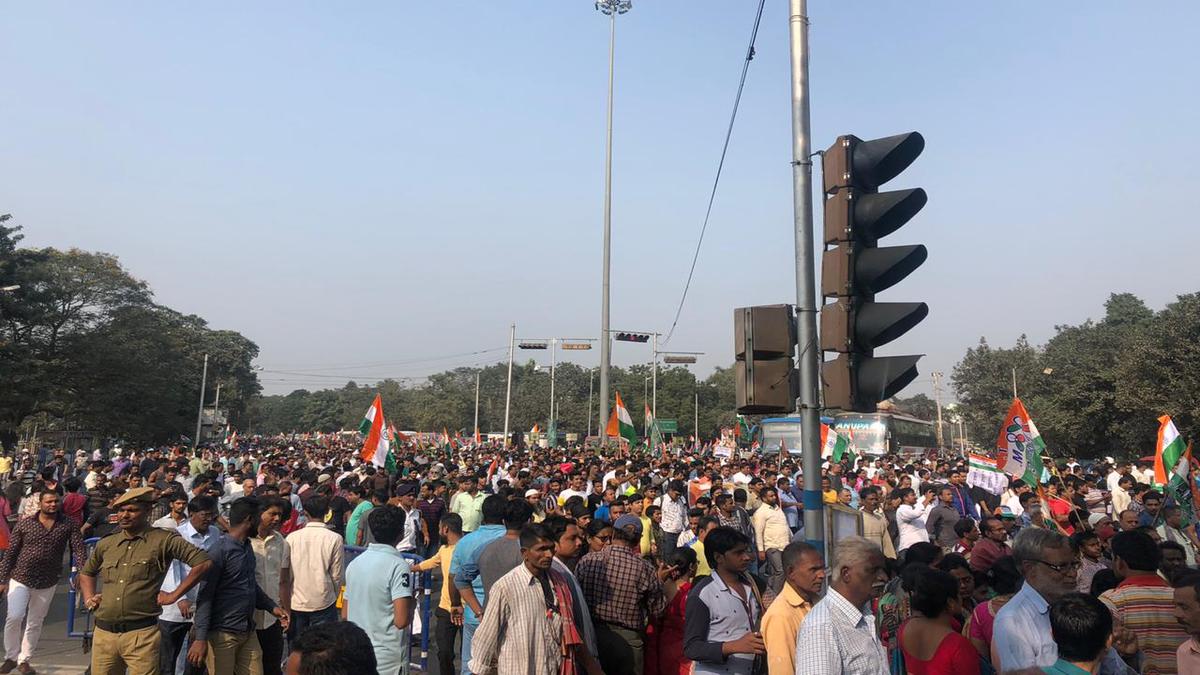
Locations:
{"points": [[931, 645], [664, 636]]}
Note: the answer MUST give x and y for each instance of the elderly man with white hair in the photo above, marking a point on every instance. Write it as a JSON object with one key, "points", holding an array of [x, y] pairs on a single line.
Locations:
{"points": [[838, 636], [1022, 637]]}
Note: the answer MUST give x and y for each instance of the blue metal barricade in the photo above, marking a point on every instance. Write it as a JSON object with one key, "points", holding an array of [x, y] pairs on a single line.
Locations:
{"points": [[75, 598]]}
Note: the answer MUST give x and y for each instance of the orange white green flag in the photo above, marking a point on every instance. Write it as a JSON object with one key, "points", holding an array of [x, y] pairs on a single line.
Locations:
{"points": [[376, 445], [621, 424]]}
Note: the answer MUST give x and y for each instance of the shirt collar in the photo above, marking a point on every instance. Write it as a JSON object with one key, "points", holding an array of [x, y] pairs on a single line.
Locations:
{"points": [[1029, 595], [1143, 580], [384, 548], [316, 523], [793, 598], [841, 606], [1066, 668]]}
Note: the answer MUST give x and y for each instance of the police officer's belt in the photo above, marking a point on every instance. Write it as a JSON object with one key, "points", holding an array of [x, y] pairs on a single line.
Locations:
{"points": [[126, 626]]}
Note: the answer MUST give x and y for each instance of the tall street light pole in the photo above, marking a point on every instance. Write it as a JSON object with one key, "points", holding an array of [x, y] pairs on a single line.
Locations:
{"points": [[612, 8], [512, 343]]}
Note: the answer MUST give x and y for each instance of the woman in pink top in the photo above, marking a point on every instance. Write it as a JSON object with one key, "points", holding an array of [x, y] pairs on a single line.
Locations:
{"points": [[930, 644]]}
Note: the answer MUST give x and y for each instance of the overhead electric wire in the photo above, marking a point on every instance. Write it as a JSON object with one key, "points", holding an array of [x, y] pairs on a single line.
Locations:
{"points": [[372, 364], [720, 165]]}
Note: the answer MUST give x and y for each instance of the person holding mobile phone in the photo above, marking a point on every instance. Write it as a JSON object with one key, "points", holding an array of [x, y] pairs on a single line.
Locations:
{"points": [[910, 517]]}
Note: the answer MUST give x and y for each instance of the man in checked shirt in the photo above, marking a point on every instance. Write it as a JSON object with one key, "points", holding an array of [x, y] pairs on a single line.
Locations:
{"points": [[623, 592], [30, 571]]}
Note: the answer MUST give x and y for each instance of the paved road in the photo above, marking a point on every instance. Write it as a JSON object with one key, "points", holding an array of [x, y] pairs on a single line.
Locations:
{"points": [[56, 654]]}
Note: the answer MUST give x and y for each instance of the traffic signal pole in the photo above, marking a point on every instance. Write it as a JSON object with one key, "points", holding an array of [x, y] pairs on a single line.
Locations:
{"points": [[809, 404]]}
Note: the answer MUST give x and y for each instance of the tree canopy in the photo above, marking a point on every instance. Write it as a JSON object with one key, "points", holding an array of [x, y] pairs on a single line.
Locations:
{"points": [[82, 344], [1094, 389]]}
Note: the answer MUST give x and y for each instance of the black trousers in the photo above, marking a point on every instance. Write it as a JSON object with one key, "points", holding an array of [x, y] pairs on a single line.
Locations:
{"points": [[444, 634], [173, 634], [271, 641]]}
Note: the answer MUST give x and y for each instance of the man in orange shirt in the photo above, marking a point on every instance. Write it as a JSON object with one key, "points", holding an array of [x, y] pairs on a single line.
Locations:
{"points": [[804, 573]]}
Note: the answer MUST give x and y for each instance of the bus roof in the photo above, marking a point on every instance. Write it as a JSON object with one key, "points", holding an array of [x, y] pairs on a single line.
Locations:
{"points": [[792, 420]]}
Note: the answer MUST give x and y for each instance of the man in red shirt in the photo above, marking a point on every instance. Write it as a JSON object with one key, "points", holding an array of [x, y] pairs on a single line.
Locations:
{"points": [[991, 547]]}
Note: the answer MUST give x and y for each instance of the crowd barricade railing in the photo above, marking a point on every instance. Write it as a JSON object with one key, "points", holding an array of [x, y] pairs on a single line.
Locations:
{"points": [[76, 612]]}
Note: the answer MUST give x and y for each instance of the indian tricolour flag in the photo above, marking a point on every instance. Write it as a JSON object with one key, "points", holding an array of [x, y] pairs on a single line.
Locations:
{"points": [[833, 444], [376, 446], [1170, 454], [621, 424], [985, 473]]}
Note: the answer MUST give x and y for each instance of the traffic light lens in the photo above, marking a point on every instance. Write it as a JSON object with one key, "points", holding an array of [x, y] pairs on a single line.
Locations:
{"points": [[880, 214]]}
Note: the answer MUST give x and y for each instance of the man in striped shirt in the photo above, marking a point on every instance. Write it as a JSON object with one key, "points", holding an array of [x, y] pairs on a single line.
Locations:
{"points": [[1144, 602]]}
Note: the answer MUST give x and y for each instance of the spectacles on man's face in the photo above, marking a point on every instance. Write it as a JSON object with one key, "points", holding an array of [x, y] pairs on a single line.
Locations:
{"points": [[1061, 569]]}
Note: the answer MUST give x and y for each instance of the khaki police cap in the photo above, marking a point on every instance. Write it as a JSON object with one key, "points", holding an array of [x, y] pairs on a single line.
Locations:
{"points": [[144, 495]]}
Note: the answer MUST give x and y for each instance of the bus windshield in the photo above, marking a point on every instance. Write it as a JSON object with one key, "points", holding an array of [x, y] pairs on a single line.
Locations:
{"points": [[867, 433], [784, 430]]}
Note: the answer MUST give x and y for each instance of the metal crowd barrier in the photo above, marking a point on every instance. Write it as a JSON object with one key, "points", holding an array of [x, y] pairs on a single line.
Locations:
{"points": [[422, 592]]}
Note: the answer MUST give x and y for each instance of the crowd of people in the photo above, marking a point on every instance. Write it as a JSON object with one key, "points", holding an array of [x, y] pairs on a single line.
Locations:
{"points": [[547, 561]]}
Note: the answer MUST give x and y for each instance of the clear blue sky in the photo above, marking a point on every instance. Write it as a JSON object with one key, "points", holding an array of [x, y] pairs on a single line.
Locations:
{"points": [[386, 182]]}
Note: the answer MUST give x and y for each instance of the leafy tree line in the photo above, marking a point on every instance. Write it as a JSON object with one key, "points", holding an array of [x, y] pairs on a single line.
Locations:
{"points": [[1094, 389], [447, 400], [84, 346]]}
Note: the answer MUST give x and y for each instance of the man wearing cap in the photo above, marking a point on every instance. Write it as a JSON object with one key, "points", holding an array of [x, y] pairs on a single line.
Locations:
{"points": [[624, 593], [534, 499], [406, 495], [132, 564]]}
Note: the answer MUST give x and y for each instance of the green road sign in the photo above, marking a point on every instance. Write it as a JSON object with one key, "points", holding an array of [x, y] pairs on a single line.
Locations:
{"points": [[668, 426]]}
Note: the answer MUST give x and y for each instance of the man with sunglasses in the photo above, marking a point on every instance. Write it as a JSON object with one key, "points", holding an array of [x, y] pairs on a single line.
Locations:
{"points": [[1022, 636]]}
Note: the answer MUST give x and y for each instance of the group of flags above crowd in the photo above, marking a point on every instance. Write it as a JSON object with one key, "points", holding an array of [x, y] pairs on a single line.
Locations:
{"points": [[1019, 450]]}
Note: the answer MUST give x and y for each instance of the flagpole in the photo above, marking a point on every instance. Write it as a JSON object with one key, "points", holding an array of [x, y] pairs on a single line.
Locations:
{"points": [[200, 413], [1014, 373], [654, 380], [512, 343]]}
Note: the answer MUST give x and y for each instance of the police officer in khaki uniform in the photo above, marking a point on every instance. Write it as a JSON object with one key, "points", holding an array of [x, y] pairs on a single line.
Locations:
{"points": [[132, 563]]}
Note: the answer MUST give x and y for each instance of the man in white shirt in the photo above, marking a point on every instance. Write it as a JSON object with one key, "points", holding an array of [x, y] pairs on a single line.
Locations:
{"points": [[406, 495], [1016, 489], [1021, 634], [317, 570], [838, 636], [910, 518], [577, 489], [175, 622]]}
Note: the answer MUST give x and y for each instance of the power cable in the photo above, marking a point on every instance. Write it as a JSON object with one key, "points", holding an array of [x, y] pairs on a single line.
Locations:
{"points": [[720, 165]]}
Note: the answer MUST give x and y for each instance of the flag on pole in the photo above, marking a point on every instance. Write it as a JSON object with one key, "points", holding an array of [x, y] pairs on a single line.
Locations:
{"points": [[376, 447], [1019, 446], [621, 424], [232, 440], [834, 445], [1171, 466], [985, 473], [394, 439], [534, 430], [649, 416], [741, 430]]}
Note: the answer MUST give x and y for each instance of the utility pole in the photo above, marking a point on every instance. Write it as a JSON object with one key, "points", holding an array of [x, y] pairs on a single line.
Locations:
{"points": [[591, 381], [654, 378], [612, 8], [477, 374], [200, 413], [937, 397], [809, 405], [553, 429], [512, 343], [217, 403]]}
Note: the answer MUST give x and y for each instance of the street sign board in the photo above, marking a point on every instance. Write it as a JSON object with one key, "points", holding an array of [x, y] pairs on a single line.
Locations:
{"points": [[668, 426]]}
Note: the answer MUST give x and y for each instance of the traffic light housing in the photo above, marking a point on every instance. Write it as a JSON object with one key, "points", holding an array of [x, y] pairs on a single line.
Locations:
{"points": [[633, 337], [854, 268], [764, 340]]}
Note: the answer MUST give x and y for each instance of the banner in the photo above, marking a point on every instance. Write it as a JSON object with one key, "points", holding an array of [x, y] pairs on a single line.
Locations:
{"points": [[985, 473]]}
